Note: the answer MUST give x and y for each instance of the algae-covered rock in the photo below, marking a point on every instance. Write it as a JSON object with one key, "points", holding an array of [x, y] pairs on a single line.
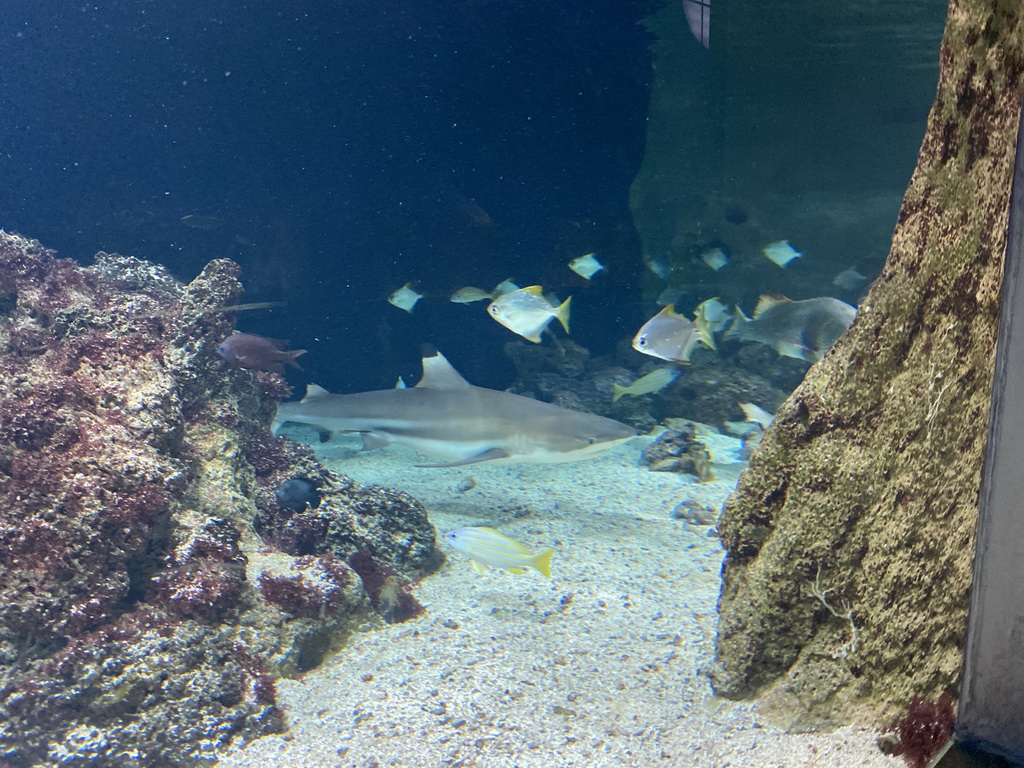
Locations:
{"points": [[146, 599], [851, 535]]}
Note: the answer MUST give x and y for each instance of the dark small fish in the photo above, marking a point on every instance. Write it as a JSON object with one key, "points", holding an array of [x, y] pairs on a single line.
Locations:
{"points": [[297, 494], [250, 305], [247, 350], [199, 221]]}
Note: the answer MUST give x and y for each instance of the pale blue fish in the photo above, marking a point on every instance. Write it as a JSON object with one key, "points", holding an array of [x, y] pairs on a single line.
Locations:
{"points": [[715, 258], [405, 298], [781, 252], [486, 548], [586, 266], [849, 280]]}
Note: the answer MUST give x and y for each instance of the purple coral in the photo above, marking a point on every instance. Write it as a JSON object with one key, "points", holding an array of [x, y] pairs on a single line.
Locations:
{"points": [[390, 594], [316, 590], [924, 730]]}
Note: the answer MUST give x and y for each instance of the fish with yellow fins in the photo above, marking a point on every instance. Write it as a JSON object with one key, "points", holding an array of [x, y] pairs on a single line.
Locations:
{"points": [[709, 318], [655, 381], [469, 294], [527, 311], [486, 548], [668, 336]]}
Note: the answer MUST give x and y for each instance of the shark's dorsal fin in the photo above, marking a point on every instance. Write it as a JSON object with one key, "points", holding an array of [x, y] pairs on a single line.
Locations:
{"points": [[438, 373], [313, 391], [767, 301]]}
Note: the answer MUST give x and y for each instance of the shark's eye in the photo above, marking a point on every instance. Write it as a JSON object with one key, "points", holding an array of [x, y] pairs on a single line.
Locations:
{"points": [[591, 440]]}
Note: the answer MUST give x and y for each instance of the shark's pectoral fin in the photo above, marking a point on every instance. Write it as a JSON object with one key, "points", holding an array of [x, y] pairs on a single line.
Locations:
{"points": [[372, 440], [491, 454]]}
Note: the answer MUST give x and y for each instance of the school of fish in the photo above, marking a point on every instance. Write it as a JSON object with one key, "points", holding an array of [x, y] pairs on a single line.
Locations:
{"points": [[445, 417]]}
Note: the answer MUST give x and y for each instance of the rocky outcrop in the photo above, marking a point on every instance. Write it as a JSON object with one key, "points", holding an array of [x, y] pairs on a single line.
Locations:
{"points": [[151, 584], [850, 537]]}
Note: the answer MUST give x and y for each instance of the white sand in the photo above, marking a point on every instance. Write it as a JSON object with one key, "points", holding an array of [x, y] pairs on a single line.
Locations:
{"points": [[598, 667]]}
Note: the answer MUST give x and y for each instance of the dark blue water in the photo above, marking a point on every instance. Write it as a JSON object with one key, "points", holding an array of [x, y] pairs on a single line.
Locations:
{"points": [[344, 149]]}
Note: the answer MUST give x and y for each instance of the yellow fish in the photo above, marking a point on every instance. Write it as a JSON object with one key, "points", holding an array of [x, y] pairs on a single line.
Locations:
{"points": [[526, 312], [487, 548], [655, 381]]}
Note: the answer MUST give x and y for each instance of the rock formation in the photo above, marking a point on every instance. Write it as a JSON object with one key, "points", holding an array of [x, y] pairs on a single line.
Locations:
{"points": [[151, 584], [850, 537]]}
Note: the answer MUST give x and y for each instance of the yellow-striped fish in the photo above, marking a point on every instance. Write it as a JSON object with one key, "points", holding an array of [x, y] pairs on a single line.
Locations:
{"points": [[469, 294], [655, 381], [486, 548]]}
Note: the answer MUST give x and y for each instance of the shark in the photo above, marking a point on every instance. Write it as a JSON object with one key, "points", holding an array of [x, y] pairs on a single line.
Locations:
{"points": [[449, 419]]}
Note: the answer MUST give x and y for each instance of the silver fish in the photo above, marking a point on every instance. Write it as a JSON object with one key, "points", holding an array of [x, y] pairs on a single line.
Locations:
{"points": [[668, 336], [801, 329], [849, 280], [527, 312], [446, 417]]}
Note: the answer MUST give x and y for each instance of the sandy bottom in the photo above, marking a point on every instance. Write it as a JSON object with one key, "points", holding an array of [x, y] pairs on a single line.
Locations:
{"points": [[598, 667]]}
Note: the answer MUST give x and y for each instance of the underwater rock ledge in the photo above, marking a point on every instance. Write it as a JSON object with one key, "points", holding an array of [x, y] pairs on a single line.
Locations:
{"points": [[151, 582], [850, 537]]}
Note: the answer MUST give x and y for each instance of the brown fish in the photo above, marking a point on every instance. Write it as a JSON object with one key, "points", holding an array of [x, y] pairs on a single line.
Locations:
{"points": [[247, 350]]}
